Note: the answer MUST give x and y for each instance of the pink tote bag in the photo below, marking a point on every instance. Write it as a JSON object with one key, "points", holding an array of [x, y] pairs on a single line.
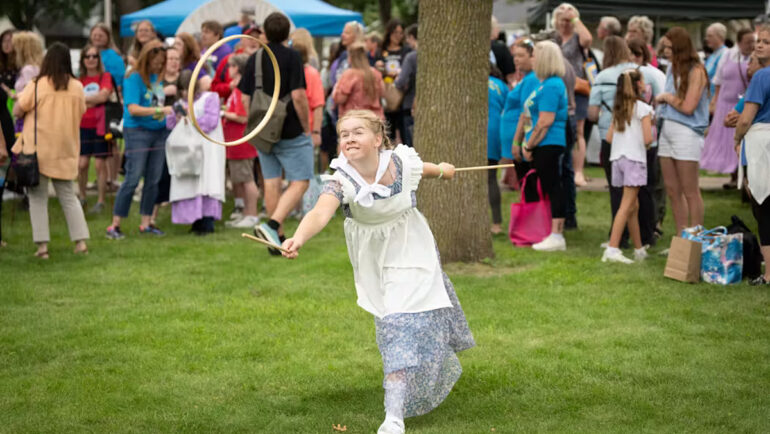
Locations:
{"points": [[530, 221]]}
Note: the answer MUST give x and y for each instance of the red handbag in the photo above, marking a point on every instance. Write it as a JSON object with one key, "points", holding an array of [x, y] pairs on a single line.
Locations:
{"points": [[530, 221]]}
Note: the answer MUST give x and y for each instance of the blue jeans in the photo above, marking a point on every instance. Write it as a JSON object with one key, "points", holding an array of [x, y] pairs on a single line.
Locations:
{"points": [[145, 156]]}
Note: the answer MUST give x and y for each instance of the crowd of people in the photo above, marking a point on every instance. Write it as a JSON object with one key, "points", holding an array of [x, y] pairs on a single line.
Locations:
{"points": [[151, 143], [662, 114]]}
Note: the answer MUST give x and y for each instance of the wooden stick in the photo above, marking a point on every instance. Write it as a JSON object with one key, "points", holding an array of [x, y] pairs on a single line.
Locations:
{"points": [[267, 243], [499, 166]]}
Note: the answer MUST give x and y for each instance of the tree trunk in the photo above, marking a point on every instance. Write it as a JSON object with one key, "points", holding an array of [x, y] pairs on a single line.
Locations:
{"points": [[452, 74], [385, 12]]}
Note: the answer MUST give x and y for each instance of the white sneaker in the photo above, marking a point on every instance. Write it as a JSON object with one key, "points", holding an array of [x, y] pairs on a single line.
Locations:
{"points": [[641, 254], [615, 255], [248, 221], [551, 244], [391, 426], [237, 214]]}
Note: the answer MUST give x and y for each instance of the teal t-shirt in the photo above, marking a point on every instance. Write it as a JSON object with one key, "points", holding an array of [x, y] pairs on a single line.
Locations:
{"points": [[135, 92], [551, 96]]}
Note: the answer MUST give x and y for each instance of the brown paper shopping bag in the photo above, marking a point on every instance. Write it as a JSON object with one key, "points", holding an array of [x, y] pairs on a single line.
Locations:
{"points": [[683, 262]]}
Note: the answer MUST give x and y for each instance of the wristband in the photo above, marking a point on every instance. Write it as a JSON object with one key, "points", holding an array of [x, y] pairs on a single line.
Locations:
{"points": [[157, 110], [316, 131], [574, 19], [440, 172], [517, 144]]}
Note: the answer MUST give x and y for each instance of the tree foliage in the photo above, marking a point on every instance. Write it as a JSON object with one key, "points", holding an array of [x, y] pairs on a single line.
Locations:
{"points": [[376, 13], [26, 14]]}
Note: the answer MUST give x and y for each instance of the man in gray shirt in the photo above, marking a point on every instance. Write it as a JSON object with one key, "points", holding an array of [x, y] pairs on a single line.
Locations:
{"points": [[405, 82]]}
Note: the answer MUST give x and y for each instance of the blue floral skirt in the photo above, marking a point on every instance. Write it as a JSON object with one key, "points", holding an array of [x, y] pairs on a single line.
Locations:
{"points": [[423, 346]]}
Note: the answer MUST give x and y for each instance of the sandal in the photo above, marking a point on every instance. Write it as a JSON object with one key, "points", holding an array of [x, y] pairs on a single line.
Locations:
{"points": [[42, 255]]}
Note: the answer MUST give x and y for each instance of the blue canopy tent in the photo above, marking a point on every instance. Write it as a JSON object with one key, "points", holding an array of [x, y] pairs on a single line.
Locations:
{"points": [[321, 19]]}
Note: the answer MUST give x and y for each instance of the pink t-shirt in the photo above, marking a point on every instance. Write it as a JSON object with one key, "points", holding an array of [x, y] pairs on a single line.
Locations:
{"points": [[314, 90], [349, 92]]}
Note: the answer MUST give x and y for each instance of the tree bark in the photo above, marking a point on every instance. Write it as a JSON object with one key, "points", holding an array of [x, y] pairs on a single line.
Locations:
{"points": [[452, 75], [385, 12]]}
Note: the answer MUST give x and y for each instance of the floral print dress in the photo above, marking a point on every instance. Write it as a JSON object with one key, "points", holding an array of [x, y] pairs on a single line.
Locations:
{"points": [[417, 342]]}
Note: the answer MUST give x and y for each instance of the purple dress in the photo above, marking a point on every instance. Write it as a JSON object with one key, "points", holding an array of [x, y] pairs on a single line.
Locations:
{"points": [[718, 150]]}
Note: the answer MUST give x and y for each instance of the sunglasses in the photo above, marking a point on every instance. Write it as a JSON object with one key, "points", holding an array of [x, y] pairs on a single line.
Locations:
{"points": [[91, 56]]}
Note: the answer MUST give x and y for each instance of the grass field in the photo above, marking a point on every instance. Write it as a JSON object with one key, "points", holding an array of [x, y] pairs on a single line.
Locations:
{"points": [[188, 334]]}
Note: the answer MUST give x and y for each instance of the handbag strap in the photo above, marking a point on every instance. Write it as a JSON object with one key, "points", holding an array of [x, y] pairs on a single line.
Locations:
{"points": [[116, 90], [258, 67], [35, 143], [524, 186]]}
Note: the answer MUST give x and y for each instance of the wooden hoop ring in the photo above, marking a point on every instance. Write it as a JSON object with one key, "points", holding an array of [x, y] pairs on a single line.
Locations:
{"points": [[194, 80]]}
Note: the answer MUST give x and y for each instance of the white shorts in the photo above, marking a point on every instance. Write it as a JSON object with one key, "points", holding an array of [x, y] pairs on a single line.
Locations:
{"points": [[679, 142]]}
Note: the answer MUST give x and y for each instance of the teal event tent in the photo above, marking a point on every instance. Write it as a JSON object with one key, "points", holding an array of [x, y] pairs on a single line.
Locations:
{"points": [[318, 17]]}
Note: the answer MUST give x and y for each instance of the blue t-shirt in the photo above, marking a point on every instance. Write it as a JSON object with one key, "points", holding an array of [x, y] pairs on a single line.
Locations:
{"points": [[551, 96], [113, 64], [497, 91], [135, 92], [512, 111], [759, 93]]}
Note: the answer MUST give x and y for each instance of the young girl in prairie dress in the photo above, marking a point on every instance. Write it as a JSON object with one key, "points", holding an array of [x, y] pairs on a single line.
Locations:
{"points": [[398, 277]]}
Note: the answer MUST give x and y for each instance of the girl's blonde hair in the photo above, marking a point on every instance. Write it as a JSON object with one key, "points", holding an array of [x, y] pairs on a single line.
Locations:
{"points": [[375, 124], [359, 61], [28, 48], [303, 42], [548, 60], [625, 99]]}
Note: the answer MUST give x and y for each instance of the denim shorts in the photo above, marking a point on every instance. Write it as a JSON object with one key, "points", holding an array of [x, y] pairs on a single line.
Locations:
{"points": [[293, 156]]}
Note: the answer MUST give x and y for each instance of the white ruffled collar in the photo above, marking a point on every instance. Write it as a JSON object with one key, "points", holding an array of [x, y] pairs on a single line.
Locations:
{"points": [[365, 195]]}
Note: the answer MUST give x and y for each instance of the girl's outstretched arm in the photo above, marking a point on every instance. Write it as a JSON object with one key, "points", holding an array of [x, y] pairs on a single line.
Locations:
{"points": [[445, 170], [313, 222]]}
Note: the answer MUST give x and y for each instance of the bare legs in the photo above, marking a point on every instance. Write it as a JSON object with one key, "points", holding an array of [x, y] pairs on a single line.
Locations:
{"points": [[280, 205], [579, 154], [681, 181], [628, 213]]}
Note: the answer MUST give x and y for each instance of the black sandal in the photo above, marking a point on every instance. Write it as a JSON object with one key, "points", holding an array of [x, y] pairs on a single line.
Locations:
{"points": [[759, 281]]}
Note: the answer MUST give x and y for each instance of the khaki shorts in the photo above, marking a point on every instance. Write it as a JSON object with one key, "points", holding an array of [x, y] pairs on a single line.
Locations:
{"points": [[241, 170]]}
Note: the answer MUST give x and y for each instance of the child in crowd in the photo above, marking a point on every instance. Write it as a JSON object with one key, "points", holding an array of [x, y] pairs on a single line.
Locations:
{"points": [[630, 134], [240, 158], [197, 167], [398, 277]]}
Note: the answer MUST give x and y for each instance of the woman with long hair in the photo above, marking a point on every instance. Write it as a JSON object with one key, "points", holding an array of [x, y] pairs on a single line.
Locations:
{"points": [[361, 86], [29, 54], [97, 85], [685, 113], [144, 129], [575, 39], [101, 38], [190, 53], [144, 32], [51, 107], [393, 51]]}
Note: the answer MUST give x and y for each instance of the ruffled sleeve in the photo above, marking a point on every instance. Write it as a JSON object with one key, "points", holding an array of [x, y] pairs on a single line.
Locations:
{"points": [[412, 162], [338, 186]]}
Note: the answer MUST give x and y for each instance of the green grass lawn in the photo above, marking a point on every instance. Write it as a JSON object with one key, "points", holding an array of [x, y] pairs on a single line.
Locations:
{"points": [[188, 334]]}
